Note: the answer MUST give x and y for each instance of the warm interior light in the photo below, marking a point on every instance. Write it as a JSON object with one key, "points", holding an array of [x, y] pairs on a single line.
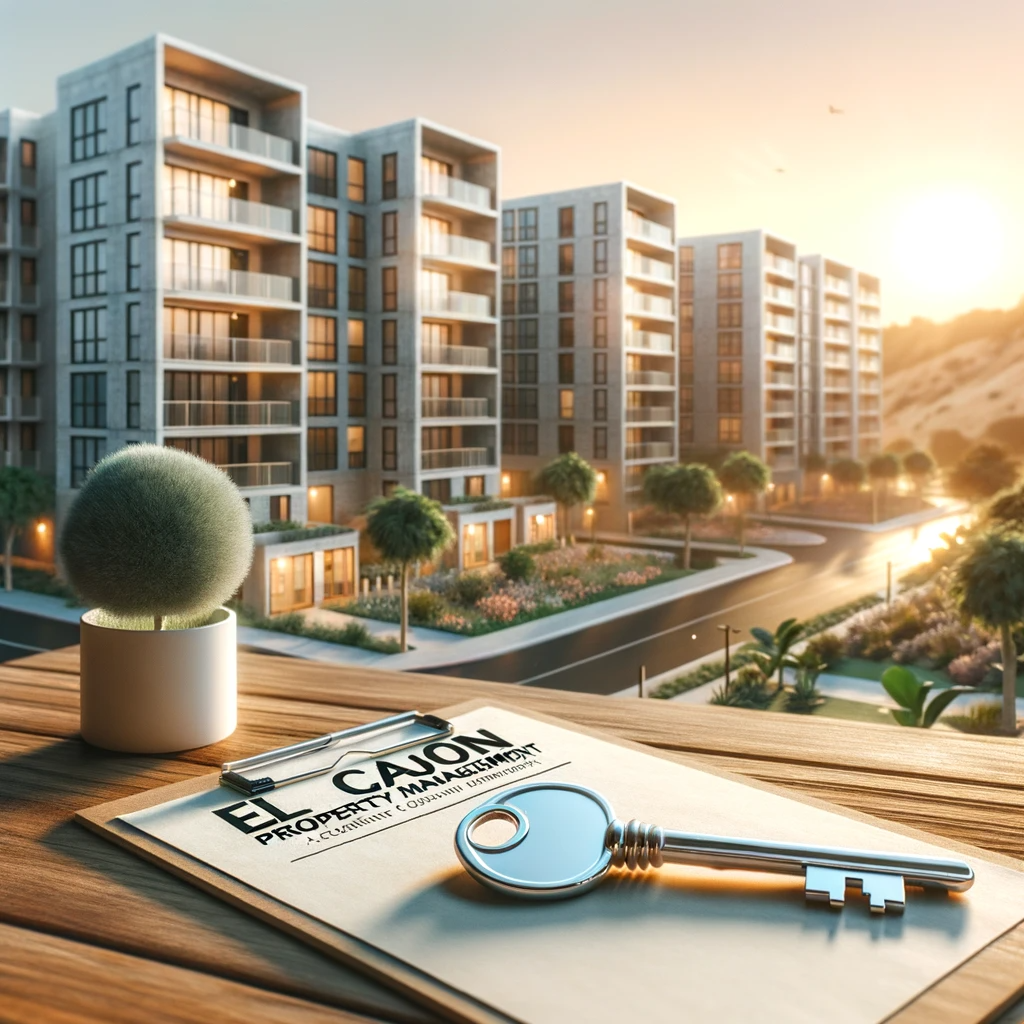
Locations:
{"points": [[232, 183], [600, 478], [505, 478], [282, 564], [539, 519], [590, 511], [234, 316], [41, 528], [312, 492], [471, 529], [825, 476]]}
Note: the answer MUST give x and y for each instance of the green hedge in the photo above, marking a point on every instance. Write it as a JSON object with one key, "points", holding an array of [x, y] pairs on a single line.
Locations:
{"points": [[353, 634]]}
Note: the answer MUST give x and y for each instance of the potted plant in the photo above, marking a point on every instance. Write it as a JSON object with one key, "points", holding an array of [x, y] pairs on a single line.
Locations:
{"points": [[156, 541]]}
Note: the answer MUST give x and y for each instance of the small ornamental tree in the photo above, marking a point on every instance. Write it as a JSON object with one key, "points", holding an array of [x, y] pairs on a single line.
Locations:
{"points": [[684, 491], [156, 532], [571, 481], [883, 469], [1007, 508], [920, 467], [744, 476], [984, 471], [988, 583], [408, 527], [24, 496], [849, 474]]}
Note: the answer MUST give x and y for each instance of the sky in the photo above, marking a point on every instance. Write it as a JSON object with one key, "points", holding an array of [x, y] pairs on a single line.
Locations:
{"points": [[722, 104]]}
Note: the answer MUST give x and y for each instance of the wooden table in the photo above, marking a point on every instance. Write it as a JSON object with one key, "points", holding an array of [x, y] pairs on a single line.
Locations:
{"points": [[89, 932]]}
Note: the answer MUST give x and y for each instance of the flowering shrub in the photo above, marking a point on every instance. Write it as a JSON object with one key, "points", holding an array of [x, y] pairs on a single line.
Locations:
{"points": [[632, 578], [498, 607], [973, 669]]}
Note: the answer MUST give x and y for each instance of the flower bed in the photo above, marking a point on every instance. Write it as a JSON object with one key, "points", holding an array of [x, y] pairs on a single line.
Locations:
{"points": [[477, 603]]}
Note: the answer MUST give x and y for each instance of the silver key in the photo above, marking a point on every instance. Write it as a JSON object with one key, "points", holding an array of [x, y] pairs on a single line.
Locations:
{"points": [[567, 838]]}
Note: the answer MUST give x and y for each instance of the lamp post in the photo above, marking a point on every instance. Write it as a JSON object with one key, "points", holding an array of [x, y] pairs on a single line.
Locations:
{"points": [[727, 633]]}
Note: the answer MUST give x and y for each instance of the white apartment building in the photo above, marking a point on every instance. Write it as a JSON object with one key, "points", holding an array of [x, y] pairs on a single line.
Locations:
{"points": [[589, 360]]}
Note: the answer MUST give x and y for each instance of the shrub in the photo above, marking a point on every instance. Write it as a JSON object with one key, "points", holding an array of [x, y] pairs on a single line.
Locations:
{"points": [[468, 588], [425, 607], [595, 553], [804, 698], [910, 693], [978, 667], [828, 648], [518, 565], [748, 690], [499, 607], [980, 718]]}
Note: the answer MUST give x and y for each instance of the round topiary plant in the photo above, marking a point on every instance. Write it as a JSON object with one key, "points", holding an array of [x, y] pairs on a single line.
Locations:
{"points": [[156, 532]]}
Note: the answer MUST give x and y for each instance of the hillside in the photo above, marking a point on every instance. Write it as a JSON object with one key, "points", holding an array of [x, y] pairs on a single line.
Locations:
{"points": [[964, 377]]}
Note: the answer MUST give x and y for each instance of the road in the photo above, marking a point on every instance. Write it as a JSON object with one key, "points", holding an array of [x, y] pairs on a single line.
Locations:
{"points": [[607, 658]]}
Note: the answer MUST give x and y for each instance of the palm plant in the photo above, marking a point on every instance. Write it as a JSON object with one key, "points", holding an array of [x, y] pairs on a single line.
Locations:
{"points": [[408, 527], [988, 583], [24, 496], [910, 693], [744, 476], [684, 491], [775, 647], [804, 698], [571, 481]]}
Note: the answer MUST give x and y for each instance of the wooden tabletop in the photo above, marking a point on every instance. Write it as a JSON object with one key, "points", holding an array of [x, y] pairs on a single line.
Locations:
{"points": [[89, 932]]}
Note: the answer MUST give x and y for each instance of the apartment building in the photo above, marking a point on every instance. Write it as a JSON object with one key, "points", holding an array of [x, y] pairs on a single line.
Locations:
{"points": [[589, 360]]}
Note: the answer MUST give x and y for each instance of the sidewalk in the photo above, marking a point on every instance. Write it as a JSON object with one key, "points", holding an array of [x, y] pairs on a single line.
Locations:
{"points": [[885, 526]]}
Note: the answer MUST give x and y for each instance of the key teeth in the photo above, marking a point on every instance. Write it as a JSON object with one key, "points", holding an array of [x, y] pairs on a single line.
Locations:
{"points": [[635, 845]]}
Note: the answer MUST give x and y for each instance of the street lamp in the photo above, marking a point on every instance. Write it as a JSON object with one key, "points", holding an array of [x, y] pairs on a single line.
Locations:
{"points": [[727, 632]]}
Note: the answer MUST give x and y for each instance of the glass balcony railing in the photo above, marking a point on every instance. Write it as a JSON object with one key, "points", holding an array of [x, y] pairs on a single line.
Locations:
{"points": [[780, 264], [644, 266], [869, 341], [837, 310], [641, 302], [651, 231], [442, 186], [260, 474], [458, 247], [776, 293], [648, 378], [649, 450], [197, 348], [29, 235], [26, 406], [231, 414], [837, 359], [456, 458], [460, 303], [781, 380], [778, 322], [781, 463], [837, 285], [456, 408], [186, 202], [188, 277], [868, 317], [184, 124], [6, 407], [866, 298], [652, 341], [781, 409], [780, 435], [455, 355], [776, 350], [833, 332], [29, 293], [650, 414]]}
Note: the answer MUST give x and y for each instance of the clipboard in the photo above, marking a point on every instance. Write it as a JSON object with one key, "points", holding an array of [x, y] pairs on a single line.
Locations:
{"points": [[990, 979]]}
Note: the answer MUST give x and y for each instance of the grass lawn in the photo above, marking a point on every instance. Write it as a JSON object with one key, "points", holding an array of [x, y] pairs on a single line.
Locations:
{"points": [[864, 668], [840, 707]]}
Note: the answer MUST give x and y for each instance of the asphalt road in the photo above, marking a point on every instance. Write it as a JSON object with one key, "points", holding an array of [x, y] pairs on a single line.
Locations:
{"points": [[607, 658]]}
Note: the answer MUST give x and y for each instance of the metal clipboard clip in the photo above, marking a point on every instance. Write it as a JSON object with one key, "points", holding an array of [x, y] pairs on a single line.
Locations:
{"points": [[310, 758]]}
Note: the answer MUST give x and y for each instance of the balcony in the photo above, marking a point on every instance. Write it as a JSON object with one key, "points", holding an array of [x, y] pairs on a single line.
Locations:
{"points": [[835, 333], [779, 264], [260, 474], [650, 414], [868, 318], [870, 341], [456, 355], [648, 305], [780, 380], [186, 202], [648, 450], [778, 322], [837, 310], [839, 360], [455, 190], [639, 265], [29, 294], [6, 405], [651, 341], [869, 364], [649, 378], [460, 303], [231, 414], [837, 285], [26, 407], [779, 435], [180, 124], [456, 458], [196, 348], [187, 277], [776, 293], [29, 235], [456, 408], [458, 247], [836, 411], [866, 298], [24, 459], [779, 350], [649, 230], [782, 464], [28, 177], [28, 351], [781, 409]]}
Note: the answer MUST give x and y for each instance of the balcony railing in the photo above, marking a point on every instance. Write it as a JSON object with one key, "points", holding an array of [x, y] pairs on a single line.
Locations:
{"points": [[781, 409], [776, 293], [5, 407], [649, 450], [187, 277], [780, 435], [837, 359], [641, 227], [641, 302], [652, 341], [230, 414], [456, 458], [182, 124], [456, 355], [28, 351], [870, 341], [441, 186], [260, 474], [650, 414], [777, 322], [773, 261], [871, 319], [458, 247], [461, 303], [775, 350], [648, 378], [837, 382], [837, 411], [25, 459], [187, 202], [869, 298], [835, 333], [837, 285], [26, 406], [197, 348], [869, 364], [29, 235], [645, 266], [838, 310], [782, 464], [454, 408], [784, 380], [29, 293], [28, 176]]}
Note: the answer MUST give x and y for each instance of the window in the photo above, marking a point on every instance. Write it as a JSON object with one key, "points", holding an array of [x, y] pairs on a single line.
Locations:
{"points": [[389, 233], [526, 367], [389, 176], [566, 259], [357, 395], [88, 130], [730, 371], [600, 332], [685, 371], [686, 259], [133, 332], [600, 404], [600, 367], [29, 335], [686, 316], [526, 334], [519, 439], [89, 202], [600, 442], [508, 225], [322, 173], [28, 219], [389, 448], [89, 335], [322, 229], [88, 269], [729, 430], [730, 401], [566, 404], [600, 255], [133, 263], [686, 430], [566, 222], [730, 286], [528, 225], [601, 294], [89, 400], [322, 285], [133, 115], [357, 289], [730, 256], [528, 298], [133, 190], [28, 162], [508, 299], [508, 261], [686, 286], [566, 296], [356, 236], [730, 343], [566, 332], [356, 437], [389, 289], [389, 342], [133, 397], [566, 440], [322, 448], [528, 261], [322, 398], [566, 368], [85, 453], [322, 339], [730, 314], [28, 279], [356, 180], [356, 340], [600, 218], [389, 396]]}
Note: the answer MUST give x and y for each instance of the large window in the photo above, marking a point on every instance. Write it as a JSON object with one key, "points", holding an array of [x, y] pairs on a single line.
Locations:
{"points": [[730, 371], [600, 332], [686, 259], [566, 439], [322, 285], [730, 343], [730, 430], [389, 233], [389, 342], [389, 448], [566, 258], [566, 368], [730, 286], [28, 153], [356, 184], [133, 263], [566, 404], [528, 224], [528, 261], [133, 191], [519, 439], [133, 399], [133, 331], [600, 218], [357, 395], [322, 339], [356, 341], [85, 453], [29, 279], [508, 225], [322, 397], [89, 202], [528, 298], [89, 130], [600, 367], [389, 396], [88, 269], [356, 437], [389, 176], [322, 229], [389, 289], [357, 289], [508, 261], [601, 294], [322, 448], [566, 332], [89, 400], [566, 296], [567, 222], [89, 335], [526, 334], [600, 404], [730, 256], [730, 314], [321, 172], [600, 255], [357, 236], [600, 442], [133, 115], [730, 401]]}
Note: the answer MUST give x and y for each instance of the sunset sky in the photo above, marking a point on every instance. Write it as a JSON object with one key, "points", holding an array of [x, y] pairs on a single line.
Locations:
{"points": [[919, 180]]}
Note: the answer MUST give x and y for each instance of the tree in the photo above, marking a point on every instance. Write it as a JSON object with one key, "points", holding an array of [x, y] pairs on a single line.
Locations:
{"points": [[849, 474], [24, 496], [684, 491], [815, 464], [744, 476], [776, 647], [919, 466], [984, 471], [883, 468], [571, 481], [988, 583], [948, 446], [1007, 508], [408, 527], [910, 693]]}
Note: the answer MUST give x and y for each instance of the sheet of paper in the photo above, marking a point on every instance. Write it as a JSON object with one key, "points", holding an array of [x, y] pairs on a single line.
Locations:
{"points": [[370, 851]]}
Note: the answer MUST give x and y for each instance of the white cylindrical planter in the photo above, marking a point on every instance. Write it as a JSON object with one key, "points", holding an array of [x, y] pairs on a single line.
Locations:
{"points": [[158, 691]]}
